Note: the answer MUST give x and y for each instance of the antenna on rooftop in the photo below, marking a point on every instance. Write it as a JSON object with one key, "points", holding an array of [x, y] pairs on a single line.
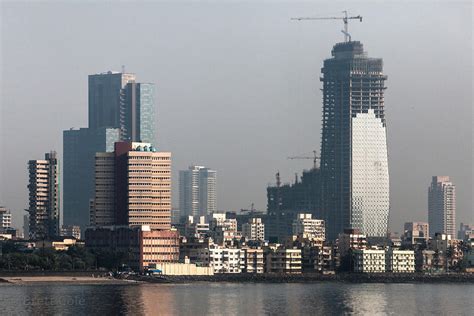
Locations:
{"points": [[123, 69]]}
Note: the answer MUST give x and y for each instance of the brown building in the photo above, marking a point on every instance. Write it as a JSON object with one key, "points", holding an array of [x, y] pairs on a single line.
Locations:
{"points": [[133, 187], [139, 246]]}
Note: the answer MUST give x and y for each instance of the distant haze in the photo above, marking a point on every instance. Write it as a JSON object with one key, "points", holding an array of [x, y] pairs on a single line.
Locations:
{"points": [[238, 87]]}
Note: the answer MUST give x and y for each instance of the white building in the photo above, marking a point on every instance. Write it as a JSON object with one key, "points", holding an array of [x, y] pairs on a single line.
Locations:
{"points": [[370, 179], [368, 260], [197, 191], [5, 218], [224, 260], [254, 229], [306, 227], [400, 261], [223, 229], [442, 206]]}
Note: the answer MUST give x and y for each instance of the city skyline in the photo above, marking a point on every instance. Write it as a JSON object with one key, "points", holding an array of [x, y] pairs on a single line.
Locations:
{"points": [[409, 170]]}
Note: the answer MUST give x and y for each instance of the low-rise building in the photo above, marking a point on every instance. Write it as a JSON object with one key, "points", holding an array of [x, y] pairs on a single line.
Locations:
{"points": [[5, 218], [223, 230], [351, 239], [254, 230], [465, 231], [252, 260], [282, 260], [71, 231], [58, 243], [224, 260], [185, 268], [368, 260], [415, 233], [307, 228], [430, 261], [196, 227], [140, 245], [195, 249], [400, 261], [158, 246]]}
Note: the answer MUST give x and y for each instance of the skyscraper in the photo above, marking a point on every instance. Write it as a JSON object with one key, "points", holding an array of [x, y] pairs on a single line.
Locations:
{"points": [[442, 206], [137, 122], [119, 109], [44, 197], [106, 98], [133, 187], [197, 191], [354, 167]]}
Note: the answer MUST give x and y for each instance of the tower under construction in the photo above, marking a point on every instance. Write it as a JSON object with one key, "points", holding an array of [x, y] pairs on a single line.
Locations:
{"points": [[354, 168]]}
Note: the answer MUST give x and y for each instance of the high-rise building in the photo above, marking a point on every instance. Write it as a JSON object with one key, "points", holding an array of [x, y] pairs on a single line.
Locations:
{"points": [[354, 168], [197, 191], [44, 198], [442, 206], [106, 98], [133, 187], [119, 110], [137, 122]]}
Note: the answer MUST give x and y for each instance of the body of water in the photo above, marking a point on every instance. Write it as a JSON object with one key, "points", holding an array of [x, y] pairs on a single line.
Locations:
{"points": [[238, 299]]}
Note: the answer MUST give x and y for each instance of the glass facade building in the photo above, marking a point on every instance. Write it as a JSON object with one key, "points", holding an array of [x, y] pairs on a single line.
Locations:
{"points": [[353, 84], [137, 122], [105, 98], [79, 148]]}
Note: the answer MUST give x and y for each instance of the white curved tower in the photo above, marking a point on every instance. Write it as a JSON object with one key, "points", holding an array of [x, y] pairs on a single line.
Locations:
{"points": [[370, 179]]}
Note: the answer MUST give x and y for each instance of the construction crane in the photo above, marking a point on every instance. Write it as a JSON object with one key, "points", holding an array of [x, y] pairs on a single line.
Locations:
{"points": [[345, 19], [315, 158]]}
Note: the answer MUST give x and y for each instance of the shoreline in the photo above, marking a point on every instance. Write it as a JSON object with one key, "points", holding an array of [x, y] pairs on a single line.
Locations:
{"points": [[39, 277], [318, 278]]}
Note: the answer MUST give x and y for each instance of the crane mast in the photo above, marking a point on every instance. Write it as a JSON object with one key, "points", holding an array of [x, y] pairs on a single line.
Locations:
{"points": [[345, 19]]}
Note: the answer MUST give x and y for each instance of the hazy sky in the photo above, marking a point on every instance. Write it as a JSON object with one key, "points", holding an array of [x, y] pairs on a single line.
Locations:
{"points": [[238, 87]]}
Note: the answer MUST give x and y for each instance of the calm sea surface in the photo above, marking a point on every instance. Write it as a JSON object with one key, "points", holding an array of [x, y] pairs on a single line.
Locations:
{"points": [[238, 299]]}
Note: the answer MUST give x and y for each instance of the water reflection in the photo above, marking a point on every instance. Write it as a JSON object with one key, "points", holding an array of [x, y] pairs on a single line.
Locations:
{"points": [[237, 299]]}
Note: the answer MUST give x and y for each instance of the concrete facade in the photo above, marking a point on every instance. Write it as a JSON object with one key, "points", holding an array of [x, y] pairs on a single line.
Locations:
{"points": [[283, 260], [133, 187], [308, 228], [442, 206], [44, 197], [400, 261], [254, 230], [197, 191], [368, 260]]}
